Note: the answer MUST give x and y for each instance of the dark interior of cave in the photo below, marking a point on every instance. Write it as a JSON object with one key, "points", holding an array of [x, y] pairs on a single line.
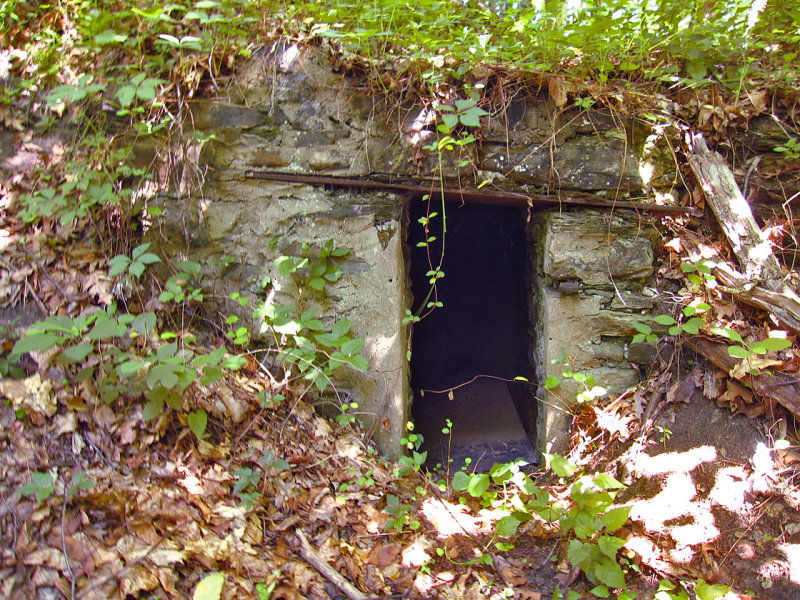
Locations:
{"points": [[482, 330]]}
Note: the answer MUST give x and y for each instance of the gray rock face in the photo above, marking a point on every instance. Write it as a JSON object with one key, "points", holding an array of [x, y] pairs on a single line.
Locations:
{"points": [[610, 256], [586, 162], [292, 113]]}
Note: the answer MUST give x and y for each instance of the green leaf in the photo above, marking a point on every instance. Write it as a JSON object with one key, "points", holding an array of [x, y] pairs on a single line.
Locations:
{"points": [[478, 484], [580, 553], [583, 524], [552, 382], [352, 346], [727, 333], [164, 374], [507, 526], [125, 95], [560, 465], [707, 591], [33, 342], [664, 320], [460, 481], [144, 323], [152, 409], [118, 264], [148, 259], [109, 36], [616, 517], [765, 345], [340, 328], [471, 118], [642, 328], [198, 421], [739, 352], [450, 120], [609, 545], [106, 328], [136, 269], [693, 325], [610, 573], [75, 354], [607, 482], [212, 358], [210, 587]]}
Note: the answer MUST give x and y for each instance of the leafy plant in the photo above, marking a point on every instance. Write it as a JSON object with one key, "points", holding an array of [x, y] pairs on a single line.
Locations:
{"points": [[590, 390], [41, 486], [90, 349], [743, 350], [790, 149], [133, 266], [246, 486], [178, 286], [399, 513], [589, 520], [345, 417], [413, 442]]}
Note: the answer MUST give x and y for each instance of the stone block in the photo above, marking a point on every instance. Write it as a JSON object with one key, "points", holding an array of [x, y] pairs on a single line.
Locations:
{"points": [[585, 162], [213, 116], [596, 248]]}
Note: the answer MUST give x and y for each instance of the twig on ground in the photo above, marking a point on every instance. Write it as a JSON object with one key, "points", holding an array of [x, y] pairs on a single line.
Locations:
{"points": [[311, 557], [45, 273]]}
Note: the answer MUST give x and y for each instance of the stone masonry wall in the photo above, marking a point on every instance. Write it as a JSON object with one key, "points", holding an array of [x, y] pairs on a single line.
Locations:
{"points": [[592, 267], [291, 112]]}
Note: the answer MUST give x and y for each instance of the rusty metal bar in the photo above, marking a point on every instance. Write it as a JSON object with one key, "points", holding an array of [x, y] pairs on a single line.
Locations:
{"points": [[514, 199]]}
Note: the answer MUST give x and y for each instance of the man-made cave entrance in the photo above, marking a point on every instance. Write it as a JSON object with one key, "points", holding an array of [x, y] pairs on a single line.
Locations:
{"points": [[481, 333]]}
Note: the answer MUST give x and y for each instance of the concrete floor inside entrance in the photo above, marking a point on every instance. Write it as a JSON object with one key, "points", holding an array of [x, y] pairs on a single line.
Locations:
{"points": [[466, 354]]}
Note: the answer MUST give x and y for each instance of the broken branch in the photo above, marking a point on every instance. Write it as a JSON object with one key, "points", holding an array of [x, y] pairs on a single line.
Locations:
{"points": [[311, 557], [733, 212]]}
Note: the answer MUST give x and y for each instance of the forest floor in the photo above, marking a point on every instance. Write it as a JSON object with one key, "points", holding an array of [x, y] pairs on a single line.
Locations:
{"points": [[136, 509], [710, 501], [286, 504]]}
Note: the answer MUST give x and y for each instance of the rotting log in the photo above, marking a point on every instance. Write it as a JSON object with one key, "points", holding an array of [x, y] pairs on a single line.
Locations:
{"points": [[785, 306], [751, 247], [775, 386], [514, 199]]}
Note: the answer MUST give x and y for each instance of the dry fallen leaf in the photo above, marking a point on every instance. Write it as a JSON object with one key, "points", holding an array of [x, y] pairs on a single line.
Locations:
{"points": [[31, 394]]}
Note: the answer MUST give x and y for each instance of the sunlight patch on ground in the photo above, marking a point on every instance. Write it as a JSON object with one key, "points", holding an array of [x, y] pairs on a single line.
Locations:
{"points": [[792, 552], [189, 481], [450, 519], [416, 554], [730, 489], [674, 462]]}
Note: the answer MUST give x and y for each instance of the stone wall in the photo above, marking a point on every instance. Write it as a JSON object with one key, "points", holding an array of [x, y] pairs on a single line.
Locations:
{"points": [[291, 112], [591, 267]]}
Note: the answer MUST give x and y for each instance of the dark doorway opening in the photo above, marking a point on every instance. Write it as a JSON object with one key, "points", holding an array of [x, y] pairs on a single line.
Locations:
{"points": [[482, 331]]}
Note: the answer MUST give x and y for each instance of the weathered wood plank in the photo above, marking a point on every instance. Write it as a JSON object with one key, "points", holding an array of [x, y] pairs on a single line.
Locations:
{"points": [[751, 247], [775, 386]]}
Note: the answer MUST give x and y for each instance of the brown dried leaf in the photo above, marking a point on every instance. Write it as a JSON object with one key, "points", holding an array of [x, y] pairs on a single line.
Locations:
{"points": [[32, 394], [558, 91], [758, 99], [683, 389]]}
